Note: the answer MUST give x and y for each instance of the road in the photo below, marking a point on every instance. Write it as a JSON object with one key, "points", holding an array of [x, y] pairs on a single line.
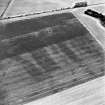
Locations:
{"points": [[23, 7]]}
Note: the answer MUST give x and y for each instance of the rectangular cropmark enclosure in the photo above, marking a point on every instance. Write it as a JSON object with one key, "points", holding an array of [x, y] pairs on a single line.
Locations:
{"points": [[41, 56]]}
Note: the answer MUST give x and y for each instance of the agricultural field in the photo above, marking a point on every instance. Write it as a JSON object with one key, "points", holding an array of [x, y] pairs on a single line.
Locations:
{"points": [[3, 5], [41, 56], [57, 54]]}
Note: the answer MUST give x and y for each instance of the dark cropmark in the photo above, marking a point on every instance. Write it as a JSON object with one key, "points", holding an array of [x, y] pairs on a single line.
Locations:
{"points": [[32, 69], [34, 24], [70, 53], [43, 60], [3, 95], [28, 43]]}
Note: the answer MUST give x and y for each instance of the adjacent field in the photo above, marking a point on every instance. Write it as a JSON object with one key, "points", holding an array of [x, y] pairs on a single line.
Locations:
{"points": [[22, 7]]}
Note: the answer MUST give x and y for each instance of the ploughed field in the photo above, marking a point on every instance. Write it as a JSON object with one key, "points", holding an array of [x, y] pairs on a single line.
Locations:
{"points": [[45, 55]]}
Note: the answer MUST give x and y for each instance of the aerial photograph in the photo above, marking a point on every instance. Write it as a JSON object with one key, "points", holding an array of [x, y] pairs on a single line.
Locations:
{"points": [[52, 52]]}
